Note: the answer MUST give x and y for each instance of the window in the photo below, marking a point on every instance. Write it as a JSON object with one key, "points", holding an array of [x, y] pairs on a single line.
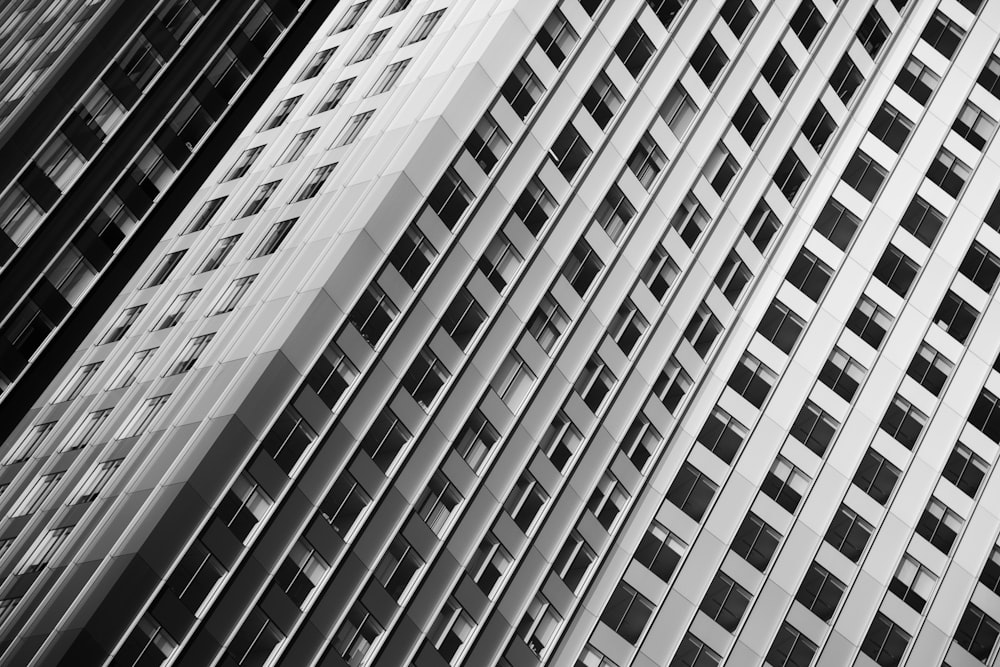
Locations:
{"points": [[450, 198], [917, 80], [569, 152], [903, 422], [476, 439], [949, 172], [873, 33], [351, 17], [76, 383], [837, 224], [750, 117], [301, 571], [316, 64], [385, 439], [785, 484], [276, 233], [556, 37], [869, 321], [607, 500], [525, 502], [790, 176], [703, 330], [451, 631], [368, 47], [244, 506], [891, 127], [708, 60], [781, 326], [573, 561], [561, 441], [489, 565], [425, 378], [189, 354], [344, 504], [814, 428], [373, 314], [943, 34], [204, 215], [733, 276], [989, 78], [595, 382], [720, 169], [691, 491], [896, 270], [985, 416], [627, 613], [956, 317], [130, 370], [842, 374], [665, 10], [809, 274], [81, 436], [522, 89], [930, 368], [438, 502], [722, 434], [913, 583], [423, 28], [196, 575], [762, 226], [885, 642], [965, 470], [672, 385], [647, 161], [217, 254], [820, 592], [500, 262], [548, 322], [539, 625], [980, 266], [939, 525], [864, 175], [161, 272], [690, 220], [924, 222], [725, 602], [678, 110], [849, 533], [693, 653], [18, 214], [334, 96], [34, 496], [258, 200], [60, 160], [412, 255], [487, 143], [331, 375], [297, 146], [635, 49], [140, 62], [756, 542], [659, 272], [779, 70], [738, 15], [660, 551], [122, 325], [582, 267], [513, 381], [806, 23], [846, 79], [353, 128], [627, 326], [534, 206], [977, 633], [463, 318], [243, 163], [603, 100], [288, 438], [790, 648], [876, 476], [990, 576], [357, 635], [395, 6]]}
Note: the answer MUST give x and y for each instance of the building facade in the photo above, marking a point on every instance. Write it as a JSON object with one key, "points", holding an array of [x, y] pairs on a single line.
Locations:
{"points": [[566, 332], [111, 115]]}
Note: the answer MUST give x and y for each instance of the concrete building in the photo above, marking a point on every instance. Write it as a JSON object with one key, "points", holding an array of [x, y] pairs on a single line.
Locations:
{"points": [[565, 332]]}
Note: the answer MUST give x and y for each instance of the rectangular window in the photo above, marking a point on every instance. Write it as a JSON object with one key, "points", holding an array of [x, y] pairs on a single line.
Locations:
{"points": [[939, 525], [647, 161], [561, 440], [989, 78], [344, 504], [525, 502], [243, 163], [121, 326], [873, 33], [489, 565], [849, 533], [896, 270], [573, 561], [820, 592], [615, 213], [694, 653], [607, 500], [44, 550], [423, 28], [756, 542], [334, 96], [258, 200], [977, 633], [96, 480], [980, 265], [412, 255], [665, 10], [791, 648], [276, 233], [738, 15], [500, 262], [640, 441], [582, 267], [913, 583], [131, 369], [86, 431], [943, 34], [678, 110], [143, 416], [785, 484], [628, 613], [876, 476], [781, 326], [846, 79], [204, 215], [476, 440], [301, 571], [451, 631], [189, 354], [752, 380], [818, 127], [372, 314], [513, 381], [297, 146], [885, 642], [437, 503], [930, 368], [569, 152], [368, 47], [161, 272], [762, 226], [603, 100], [218, 253], [722, 434], [891, 127], [463, 318], [522, 89], [539, 626], [331, 375], [627, 327], [385, 439], [487, 143], [450, 198], [672, 385], [692, 492], [395, 6], [870, 321], [814, 428], [556, 37], [34, 496], [924, 222], [353, 128], [635, 49], [965, 470], [733, 276], [809, 274], [316, 65], [595, 382], [708, 60], [659, 272], [690, 220], [76, 383], [230, 298], [807, 22], [314, 183], [917, 80], [750, 117], [351, 17], [357, 635], [790, 176], [956, 316], [779, 69], [425, 378], [660, 551], [547, 323]]}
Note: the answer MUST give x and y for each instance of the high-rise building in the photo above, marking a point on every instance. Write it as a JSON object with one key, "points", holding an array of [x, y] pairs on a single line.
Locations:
{"points": [[565, 332], [112, 112]]}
